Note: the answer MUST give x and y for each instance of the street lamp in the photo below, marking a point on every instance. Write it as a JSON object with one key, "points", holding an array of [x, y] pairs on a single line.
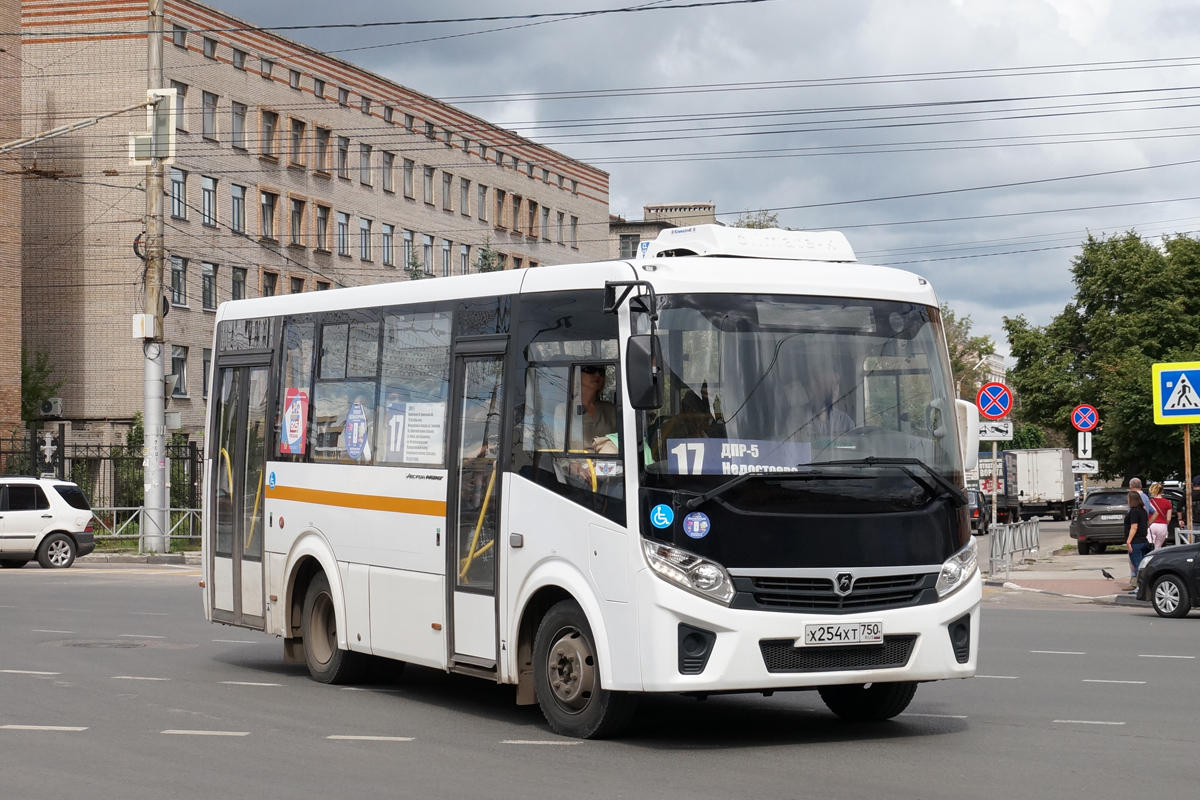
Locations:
{"points": [[958, 384]]}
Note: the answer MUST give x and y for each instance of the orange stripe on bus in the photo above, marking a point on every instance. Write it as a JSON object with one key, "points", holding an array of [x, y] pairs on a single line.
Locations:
{"points": [[367, 502]]}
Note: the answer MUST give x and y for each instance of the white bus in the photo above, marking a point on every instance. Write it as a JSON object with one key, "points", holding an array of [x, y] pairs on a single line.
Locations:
{"points": [[733, 464]]}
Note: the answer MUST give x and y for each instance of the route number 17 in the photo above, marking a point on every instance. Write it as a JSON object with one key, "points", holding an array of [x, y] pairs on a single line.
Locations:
{"points": [[681, 452]]}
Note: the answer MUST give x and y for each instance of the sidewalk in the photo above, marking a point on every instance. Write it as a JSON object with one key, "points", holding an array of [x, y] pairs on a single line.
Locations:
{"points": [[100, 557], [1068, 574]]}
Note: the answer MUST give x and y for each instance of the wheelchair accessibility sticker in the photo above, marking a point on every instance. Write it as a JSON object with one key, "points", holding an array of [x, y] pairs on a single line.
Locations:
{"points": [[661, 516]]}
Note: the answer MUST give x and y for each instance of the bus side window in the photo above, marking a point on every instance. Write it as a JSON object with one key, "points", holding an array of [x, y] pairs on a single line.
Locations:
{"points": [[346, 390], [295, 390], [414, 389]]}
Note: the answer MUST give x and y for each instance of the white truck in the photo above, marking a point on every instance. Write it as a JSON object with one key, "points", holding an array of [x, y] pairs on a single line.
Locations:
{"points": [[1047, 483]]}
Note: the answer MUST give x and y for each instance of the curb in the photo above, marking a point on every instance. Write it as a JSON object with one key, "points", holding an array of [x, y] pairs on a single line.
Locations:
{"points": [[1107, 599], [125, 558]]}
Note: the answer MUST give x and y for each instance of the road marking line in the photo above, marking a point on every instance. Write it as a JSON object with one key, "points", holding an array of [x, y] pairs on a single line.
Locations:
{"points": [[249, 683], [136, 678], [1000, 677], [353, 689], [150, 613], [40, 728], [536, 741], [139, 636], [205, 733], [1097, 680], [1087, 722], [28, 672], [42, 630], [1144, 655], [236, 641], [1059, 652], [372, 738], [937, 716]]}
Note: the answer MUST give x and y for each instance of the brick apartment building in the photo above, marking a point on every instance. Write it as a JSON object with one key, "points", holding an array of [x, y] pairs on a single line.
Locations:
{"points": [[295, 172], [626, 235], [10, 234]]}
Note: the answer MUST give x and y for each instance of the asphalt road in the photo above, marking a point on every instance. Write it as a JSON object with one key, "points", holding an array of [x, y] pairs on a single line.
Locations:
{"points": [[146, 700]]}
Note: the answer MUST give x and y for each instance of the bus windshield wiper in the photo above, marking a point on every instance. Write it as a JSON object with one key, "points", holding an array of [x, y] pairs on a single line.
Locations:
{"points": [[957, 495]]}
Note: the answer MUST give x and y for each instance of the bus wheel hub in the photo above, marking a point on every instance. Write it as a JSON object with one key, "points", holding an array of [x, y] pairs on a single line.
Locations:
{"points": [[571, 670]]}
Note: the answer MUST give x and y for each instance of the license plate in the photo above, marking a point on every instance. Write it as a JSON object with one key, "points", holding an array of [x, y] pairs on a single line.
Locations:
{"points": [[843, 633], [1107, 517]]}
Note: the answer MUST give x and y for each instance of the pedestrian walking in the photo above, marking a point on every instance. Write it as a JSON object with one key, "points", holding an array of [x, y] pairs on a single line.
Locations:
{"points": [[1160, 516], [1137, 524], [1135, 485]]}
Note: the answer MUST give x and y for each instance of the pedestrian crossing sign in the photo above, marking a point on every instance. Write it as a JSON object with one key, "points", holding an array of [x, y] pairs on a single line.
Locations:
{"points": [[1176, 393]]}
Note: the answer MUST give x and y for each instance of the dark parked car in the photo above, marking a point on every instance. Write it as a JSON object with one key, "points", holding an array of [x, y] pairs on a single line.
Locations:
{"points": [[1100, 521], [980, 507], [1168, 579]]}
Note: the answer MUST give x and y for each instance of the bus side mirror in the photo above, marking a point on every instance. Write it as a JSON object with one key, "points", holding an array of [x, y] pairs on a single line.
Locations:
{"points": [[968, 432], [643, 373]]}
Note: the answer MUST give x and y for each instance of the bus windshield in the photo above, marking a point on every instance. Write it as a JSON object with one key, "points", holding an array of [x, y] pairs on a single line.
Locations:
{"points": [[767, 383]]}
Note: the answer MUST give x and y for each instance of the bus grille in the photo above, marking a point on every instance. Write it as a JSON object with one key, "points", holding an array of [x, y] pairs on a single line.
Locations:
{"points": [[781, 655], [815, 595]]}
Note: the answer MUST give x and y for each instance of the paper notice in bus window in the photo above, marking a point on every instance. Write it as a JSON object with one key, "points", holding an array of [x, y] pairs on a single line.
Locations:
{"points": [[424, 433], [734, 456], [294, 429]]}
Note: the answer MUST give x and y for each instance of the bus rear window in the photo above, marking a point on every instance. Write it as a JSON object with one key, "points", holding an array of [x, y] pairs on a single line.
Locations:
{"points": [[74, 497]]}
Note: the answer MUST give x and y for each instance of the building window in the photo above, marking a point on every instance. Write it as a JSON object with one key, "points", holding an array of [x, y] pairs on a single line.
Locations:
{"points": [[294, 78], [446, 136], [501, 207], [408, 249], [545, 175], [270, 122], [238, 289], [267, 67], [179, 370], [561, 180], [447, 248], [364, 164], [499, 159], [575, 187], [178, 194], [481, 202], [629, 245], [561, 219], [297, 232], [365, 104], [533, 264], [344, 97], [466, 144], [296, 154], [574, 231], [319, 88], [343, 234], [180, 105], [545, 224], [387, 114], [178, 281], [516, 213], [464, 259], [517, 263], [208, 115], [483, 151], [208, 201], [389, 168], [529, 168], [427, 254], [447, 191], [237, 128], [531, 227], [428, 185], [237, 209], [409, 168], [501, 261], [270, 283], [408, 122], [389, 248], [322, 227], [269, 202], [179, 35], [206, 364], [321, 150], [295, 285], [322, 286], [208, 286], [343, 157], [464, 196], [239, 59], [210, 48], [364, 239], [429, 131]]}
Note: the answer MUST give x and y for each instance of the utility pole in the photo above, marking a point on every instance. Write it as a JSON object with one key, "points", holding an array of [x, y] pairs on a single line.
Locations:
{"points": [[155, 501]]}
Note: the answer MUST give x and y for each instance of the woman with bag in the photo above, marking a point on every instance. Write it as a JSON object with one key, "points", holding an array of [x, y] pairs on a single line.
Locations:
{"points": [[1160, 516], [1137, 523]]}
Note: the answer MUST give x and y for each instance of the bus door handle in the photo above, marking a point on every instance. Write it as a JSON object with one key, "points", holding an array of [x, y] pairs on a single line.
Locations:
{"points": [[516, 540]]}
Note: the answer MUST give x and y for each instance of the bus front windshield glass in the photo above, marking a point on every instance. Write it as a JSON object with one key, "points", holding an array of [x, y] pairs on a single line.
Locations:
{"points": [[768, 383]]}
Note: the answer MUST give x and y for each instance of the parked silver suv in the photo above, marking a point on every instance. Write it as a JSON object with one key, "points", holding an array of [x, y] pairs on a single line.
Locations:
{"points": [[45, 519]]}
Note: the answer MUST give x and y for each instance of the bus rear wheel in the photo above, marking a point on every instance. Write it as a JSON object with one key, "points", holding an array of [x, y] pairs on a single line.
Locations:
{"points": [[318, 622], [868, 702], [566, 678]]}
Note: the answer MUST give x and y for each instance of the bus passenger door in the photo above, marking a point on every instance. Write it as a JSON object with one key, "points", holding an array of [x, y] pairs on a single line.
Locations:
{"points": [[475, 508], [239, 466]]}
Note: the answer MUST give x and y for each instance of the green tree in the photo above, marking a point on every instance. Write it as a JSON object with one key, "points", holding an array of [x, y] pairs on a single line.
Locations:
{"points": [[37, 383], [486, 260], [756, 219], [1136, 303], [415, 266], [1027, 437], [965, 352]]}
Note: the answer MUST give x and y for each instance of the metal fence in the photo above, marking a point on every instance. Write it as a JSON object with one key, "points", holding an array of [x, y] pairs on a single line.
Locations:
{"points": [[125, 524], [1009, 540]]}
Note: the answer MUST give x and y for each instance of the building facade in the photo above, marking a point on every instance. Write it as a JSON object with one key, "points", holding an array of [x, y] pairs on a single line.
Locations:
{"points": [[626, 235], [10, 236], [295, 171]]}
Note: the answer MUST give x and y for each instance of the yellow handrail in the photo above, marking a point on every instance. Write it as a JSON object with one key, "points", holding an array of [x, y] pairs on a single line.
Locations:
{"points": [[471, 553], [254, 518]]}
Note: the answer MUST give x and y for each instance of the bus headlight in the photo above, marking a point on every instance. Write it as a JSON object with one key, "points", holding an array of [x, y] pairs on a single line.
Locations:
{"points": [[958, 569], [689, 571]]}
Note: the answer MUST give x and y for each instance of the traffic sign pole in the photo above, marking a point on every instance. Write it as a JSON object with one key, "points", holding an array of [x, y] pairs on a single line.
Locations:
{"points": [[1187, 477], [995, 480]]}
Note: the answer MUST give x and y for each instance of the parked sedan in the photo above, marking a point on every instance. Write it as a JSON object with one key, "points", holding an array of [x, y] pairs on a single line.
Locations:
{"points": [[1168, 579], [1100, 521]]}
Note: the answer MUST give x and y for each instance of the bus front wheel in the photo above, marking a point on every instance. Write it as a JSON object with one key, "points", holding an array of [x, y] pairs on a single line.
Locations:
{"points": [[318, 622], [868, 702], [566, 678]]}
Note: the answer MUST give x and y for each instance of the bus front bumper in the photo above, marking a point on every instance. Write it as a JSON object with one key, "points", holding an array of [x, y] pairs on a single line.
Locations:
{"points": [[919, 643]]}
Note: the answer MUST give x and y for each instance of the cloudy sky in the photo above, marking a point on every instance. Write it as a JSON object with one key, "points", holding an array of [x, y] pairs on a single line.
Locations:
{"points": [[1057, 117]]}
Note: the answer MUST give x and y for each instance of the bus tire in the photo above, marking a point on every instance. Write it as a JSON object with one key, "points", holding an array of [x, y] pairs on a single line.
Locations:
{"points": [[863, 703], [327, 663], [566, 678]]}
